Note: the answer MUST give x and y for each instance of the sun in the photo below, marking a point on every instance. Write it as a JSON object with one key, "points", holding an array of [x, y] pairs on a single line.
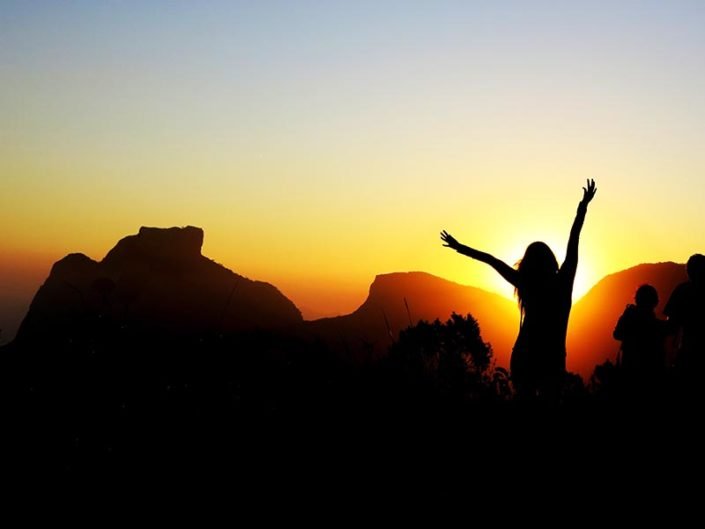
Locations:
{"points": [[583, 283], [584, 277]]}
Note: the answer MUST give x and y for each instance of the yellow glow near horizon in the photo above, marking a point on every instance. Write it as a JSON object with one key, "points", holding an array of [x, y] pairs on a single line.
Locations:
{"points": [[320, 147]]}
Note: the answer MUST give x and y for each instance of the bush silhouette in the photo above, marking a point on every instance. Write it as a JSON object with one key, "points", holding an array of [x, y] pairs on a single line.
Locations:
{"points": [[447, 361]]}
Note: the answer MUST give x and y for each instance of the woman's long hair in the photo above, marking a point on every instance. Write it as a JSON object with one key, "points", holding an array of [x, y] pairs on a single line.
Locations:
{"points": [[537, 269]]}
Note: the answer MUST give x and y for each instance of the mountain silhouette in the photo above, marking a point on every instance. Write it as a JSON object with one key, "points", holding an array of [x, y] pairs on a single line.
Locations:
{"points": [[397, 300], [594, 317], [155, 281]]}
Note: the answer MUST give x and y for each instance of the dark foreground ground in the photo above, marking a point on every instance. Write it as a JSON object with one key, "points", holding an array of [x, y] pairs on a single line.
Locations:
{"points": [[269, 420]]}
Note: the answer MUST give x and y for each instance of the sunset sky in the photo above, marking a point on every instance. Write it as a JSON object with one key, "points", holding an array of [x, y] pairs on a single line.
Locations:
{"points": [[321, 143]]}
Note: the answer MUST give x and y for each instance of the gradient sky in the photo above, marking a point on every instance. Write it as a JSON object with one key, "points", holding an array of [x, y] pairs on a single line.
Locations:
{"points": [[322, 143]]}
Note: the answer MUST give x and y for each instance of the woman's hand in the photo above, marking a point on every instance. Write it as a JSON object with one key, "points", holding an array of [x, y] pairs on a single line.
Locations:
{"points": [[589, 191], [449, 240]]}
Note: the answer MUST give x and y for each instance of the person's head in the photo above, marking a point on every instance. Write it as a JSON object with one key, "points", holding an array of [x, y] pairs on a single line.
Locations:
{"points": [[696, 268], [536, 268], [646, 297], [538, 262]]}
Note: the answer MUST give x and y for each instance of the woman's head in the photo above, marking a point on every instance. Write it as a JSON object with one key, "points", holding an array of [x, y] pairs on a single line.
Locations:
{"points": [[538, 262], [536, 269]]}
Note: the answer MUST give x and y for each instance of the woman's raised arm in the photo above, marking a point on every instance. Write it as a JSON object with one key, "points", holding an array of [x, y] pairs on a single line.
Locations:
{"points": [[570, 265], [506, 271]]}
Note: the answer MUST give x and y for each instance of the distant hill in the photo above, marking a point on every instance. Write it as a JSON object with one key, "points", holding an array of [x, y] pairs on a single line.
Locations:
{"points": [[155, 281], [594, 317], [372, 327]]}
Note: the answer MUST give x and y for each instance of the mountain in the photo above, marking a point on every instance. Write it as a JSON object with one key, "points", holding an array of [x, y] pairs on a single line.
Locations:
{"points": [[594, 317], [155, 281], [399, 299]]}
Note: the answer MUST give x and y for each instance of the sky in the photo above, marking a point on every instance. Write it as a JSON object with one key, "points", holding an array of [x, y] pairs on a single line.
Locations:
{"points": [[319, 144]]}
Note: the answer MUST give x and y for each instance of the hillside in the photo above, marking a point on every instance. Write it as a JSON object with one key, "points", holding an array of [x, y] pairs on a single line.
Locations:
{"points": [[367, 330]]}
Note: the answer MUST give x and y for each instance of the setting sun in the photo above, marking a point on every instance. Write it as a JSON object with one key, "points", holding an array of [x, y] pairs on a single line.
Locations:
{"points": [[584, 279]]}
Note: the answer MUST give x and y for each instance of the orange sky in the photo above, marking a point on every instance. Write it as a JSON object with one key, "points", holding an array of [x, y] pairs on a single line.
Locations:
{"points": [[319, 145]]}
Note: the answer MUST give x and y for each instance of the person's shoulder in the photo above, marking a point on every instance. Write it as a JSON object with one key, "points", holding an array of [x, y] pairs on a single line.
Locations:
{"points": [[629, 311], [681, 290], [684, 286], [678, 298]]}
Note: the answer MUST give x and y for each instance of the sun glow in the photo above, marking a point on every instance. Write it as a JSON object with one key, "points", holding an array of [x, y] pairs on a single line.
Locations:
{"points": [[316, 158], [584, 278]]}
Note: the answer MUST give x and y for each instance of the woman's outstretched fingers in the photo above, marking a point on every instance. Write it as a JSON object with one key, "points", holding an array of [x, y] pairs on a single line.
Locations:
{"points": [[448, 239], [589, 190]]}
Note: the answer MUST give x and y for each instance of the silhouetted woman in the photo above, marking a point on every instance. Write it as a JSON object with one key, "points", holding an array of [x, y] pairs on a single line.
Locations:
{"points": [[545, 297]]}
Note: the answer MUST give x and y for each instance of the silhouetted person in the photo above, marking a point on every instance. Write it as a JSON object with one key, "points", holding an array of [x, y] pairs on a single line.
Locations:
{"points": [[643, 338], [686, 313], [545, 297]]}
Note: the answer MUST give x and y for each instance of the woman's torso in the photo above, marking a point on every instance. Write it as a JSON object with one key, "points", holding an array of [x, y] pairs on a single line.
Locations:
{"points": [[544, 323]]}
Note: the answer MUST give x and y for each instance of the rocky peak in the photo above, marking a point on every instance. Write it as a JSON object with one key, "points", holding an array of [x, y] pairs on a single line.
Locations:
{"points": [[399, 282], [164, 243]]}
